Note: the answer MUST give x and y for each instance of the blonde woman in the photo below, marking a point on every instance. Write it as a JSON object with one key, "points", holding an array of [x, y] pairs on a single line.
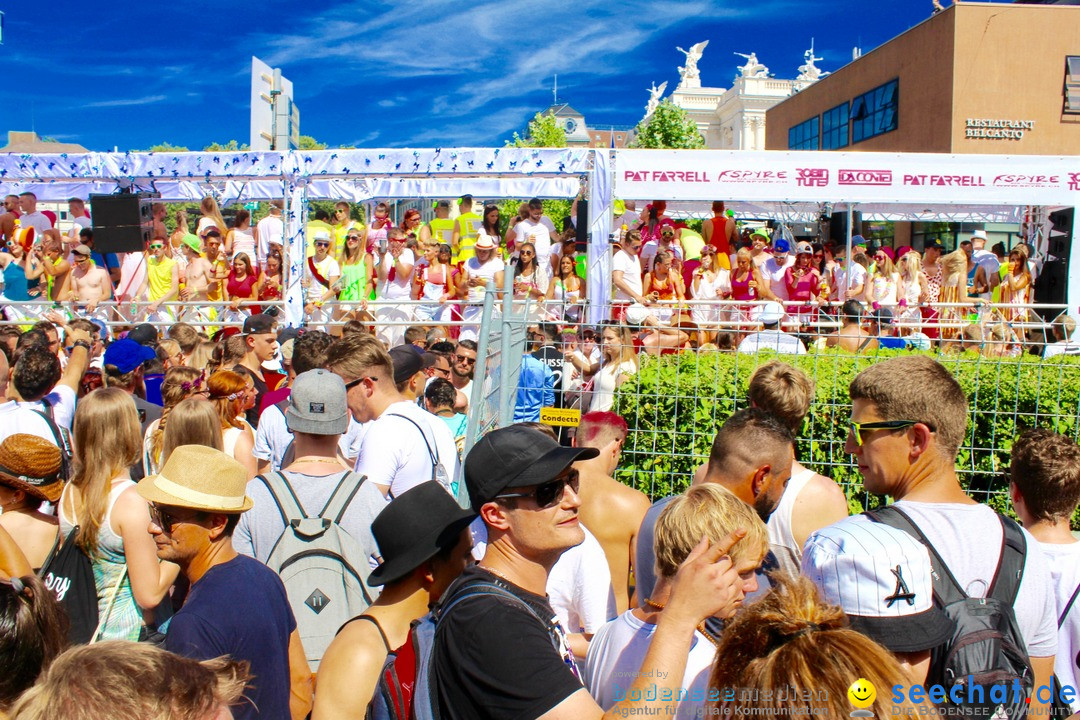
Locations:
{"points": [[211, 216], [883, 286], [710, 282], [112, 518], [914, 290], [618, 363], [193, 421], [201, 355], [179, 383], [954, 289], [232, 395]]}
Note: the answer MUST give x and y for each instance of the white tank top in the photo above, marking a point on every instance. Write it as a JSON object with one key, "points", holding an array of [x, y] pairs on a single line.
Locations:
{"points": [[787, 552]]}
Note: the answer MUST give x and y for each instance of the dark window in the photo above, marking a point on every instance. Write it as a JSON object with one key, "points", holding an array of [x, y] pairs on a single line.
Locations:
{"points": [[876, 112], [804, 136], [834, 128], [1072, 84]]}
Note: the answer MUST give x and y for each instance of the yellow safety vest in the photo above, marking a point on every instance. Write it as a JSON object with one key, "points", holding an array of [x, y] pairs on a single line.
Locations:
{"points": [[442, 229], [468, 225]]}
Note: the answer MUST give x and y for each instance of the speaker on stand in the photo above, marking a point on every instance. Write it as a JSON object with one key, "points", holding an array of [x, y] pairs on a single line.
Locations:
{"points": [[123, 222]]}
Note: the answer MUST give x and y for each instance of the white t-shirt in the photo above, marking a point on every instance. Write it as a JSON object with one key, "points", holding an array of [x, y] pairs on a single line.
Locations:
{"points": [[328, 267], [37, 220], [271, 229], [774, 340], [630, 265], [629, 218], [486, 271], [399, 287], [604, 384], [1061, 347], [579, 587], [1064, 561], [617, 651], [858, 279], [132, 275], [774, 274], [77, 224], [393, 454], [272, 438], [968, 538], [542, 233]]}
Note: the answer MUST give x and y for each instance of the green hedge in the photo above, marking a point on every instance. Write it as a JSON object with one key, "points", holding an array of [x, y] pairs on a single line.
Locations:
{"points": [[675, 403]]}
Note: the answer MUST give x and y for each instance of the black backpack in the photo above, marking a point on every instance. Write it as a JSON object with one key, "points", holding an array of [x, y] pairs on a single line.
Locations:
{"points": [[69, 573], [986, 647], [62, 438]]}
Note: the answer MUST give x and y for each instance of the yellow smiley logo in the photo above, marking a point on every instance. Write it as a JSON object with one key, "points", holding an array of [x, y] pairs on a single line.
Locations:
{"points": [[862, 693]]}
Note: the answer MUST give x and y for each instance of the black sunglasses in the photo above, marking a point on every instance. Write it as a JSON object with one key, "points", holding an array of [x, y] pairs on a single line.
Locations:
{"points": [[550, 493], [353, 383], [165, 520]]}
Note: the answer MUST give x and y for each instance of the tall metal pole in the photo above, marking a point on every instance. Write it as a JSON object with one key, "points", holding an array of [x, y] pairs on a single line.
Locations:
{"points": [[847, 270]]}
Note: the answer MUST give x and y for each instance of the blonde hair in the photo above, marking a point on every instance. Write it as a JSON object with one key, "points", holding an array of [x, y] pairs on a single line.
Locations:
{"points": [[793, 641], [712, 511], [194, 421], [782, 390], [201, 354], [953, 263], [106, 440], [124, 679], [179, 383], [209, 208], [910, 264], [626, 343]]}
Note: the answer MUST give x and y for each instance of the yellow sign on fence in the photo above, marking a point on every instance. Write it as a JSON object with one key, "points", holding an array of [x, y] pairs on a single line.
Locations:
{"points": [[560, 416]]}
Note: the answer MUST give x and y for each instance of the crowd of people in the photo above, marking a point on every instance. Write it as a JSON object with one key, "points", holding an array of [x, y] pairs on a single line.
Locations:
{"points": [[299, 541], [271, 522]]}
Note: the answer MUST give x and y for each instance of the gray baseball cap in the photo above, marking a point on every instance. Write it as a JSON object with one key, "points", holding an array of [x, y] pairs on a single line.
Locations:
{"points": [[317, 404]]}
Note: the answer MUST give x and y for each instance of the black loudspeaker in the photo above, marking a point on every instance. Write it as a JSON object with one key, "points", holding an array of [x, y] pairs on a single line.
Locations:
{"points": [[581, 222], [838, 226], [123, 222]]}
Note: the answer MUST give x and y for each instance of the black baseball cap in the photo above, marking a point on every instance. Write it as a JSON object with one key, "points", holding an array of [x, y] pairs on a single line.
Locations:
{"points": [[513, 457], [144, 334], [409, 360], [413, 528], [935, 243]]}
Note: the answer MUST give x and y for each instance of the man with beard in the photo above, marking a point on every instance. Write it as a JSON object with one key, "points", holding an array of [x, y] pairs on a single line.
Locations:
{"points": [[751, 456]]}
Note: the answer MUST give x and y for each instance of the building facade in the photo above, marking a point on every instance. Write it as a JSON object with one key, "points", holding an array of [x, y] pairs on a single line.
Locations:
{"points": [[985, 78]]}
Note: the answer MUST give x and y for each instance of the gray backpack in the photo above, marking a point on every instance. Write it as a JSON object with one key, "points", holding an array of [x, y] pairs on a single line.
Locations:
{"points": [[323, 567]]}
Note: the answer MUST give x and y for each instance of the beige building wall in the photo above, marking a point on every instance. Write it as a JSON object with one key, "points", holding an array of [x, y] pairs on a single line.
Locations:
{"points": [[984, 61], [1010, 65]]}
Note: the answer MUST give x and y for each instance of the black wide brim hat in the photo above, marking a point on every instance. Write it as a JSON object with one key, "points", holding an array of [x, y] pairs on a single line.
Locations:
{"points": [[911, 633], [413, 528]]}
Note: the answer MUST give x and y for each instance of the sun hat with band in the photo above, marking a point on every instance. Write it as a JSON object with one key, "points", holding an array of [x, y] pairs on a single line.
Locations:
{"points": [[31, 464], [199, 478], [418, 524], [484, 242], [514, 457], [881, 578]]}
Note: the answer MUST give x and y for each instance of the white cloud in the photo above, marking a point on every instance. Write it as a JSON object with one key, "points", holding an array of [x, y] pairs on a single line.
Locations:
{"points": [[131, 102]]}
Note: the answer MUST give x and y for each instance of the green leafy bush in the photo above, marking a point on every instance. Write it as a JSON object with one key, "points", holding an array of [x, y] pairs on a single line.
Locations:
{"points": [[675, 403]]}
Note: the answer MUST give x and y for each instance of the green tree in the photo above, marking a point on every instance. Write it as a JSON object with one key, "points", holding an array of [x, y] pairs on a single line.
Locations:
{"points": [[309, 143], [668, 127], [544, 131], [231, 146], [166, 147]]}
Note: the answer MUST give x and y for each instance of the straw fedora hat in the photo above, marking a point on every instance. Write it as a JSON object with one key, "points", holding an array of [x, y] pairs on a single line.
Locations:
{"points": [[200, 478], [32, 464]]}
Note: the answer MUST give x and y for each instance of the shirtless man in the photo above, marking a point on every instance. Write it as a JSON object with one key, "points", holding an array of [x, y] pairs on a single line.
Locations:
{"points": [[609, 509], [56, 268], [160, 212], [810, 501], [851, 336], [8, 218], [196, 276], [212, 252], [90, 284]]}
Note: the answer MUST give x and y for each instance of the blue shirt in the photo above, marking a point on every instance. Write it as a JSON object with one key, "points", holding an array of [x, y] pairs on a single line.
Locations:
{"points": [[536, 389], [108, 261], [239, 608]]}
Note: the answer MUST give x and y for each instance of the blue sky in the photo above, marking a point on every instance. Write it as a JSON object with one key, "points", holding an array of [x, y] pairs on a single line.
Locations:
{"points": [[378, 74]]}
